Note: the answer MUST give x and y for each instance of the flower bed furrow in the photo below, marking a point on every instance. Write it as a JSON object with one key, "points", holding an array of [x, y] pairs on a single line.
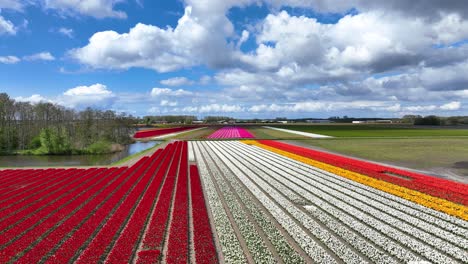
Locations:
{"points": [[19, 178], [125, 246], [403, 192], [453, 226], [255, 244], [231, 249], [371, 216], [378, 202], [309, 245], [449, 190], [101, 244], [282, 247], [19, 223], [317, 190], [286, 252], [36, 204], [358, 242], [107, 202], [51, 239], [205, 250], [30, 230], [178, 241], [161, 131], [333, 243], [57, 179], [153, 239], [231, 132]]}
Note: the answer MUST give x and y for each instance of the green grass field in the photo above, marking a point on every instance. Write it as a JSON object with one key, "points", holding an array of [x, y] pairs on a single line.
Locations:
{"points": [[364, 130]]}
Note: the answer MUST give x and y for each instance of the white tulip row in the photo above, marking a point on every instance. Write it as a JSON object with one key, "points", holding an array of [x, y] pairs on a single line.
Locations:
{"points": [[373, 253], [255, 244], [231, 248], [448, 226], [332, 242], [280, 244], [191, 154], [328, 216], [309, 245], [379, 211], [264, 221]]}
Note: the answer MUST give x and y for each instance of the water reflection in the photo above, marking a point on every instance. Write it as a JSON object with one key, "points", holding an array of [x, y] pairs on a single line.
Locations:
{"points": [[74, 160]]}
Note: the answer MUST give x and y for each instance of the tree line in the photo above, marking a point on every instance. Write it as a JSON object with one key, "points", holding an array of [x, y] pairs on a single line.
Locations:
{"points": [[46, 128]]}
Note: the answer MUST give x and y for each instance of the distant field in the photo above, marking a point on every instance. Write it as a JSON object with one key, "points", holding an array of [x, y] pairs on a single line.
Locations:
{"points": [[443, 156], [339, 130], [266, 133]]}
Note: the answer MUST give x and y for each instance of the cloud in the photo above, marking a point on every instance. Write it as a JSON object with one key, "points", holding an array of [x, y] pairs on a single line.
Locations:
{"points": [[196, 40], [96, 95], [7, 27], [9, 59], [44, 56], [385, 57], [211, 109], [11, 4], [68, 32], [177, 81], [451, 106], [34, 99], [157, 92], [168, 103], [94, 8]]}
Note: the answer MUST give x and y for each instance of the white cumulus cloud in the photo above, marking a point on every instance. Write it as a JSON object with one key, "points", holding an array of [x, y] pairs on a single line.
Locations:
{"points": [[9, 59], [44, 56], [156, 92], [177, 81], [7, 27], [94, 8], [96, 95], [34, 99], [451, 106]]}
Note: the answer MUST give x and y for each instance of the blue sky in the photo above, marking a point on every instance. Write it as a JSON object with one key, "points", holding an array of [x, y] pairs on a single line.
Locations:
{"points": [[241, 58]]}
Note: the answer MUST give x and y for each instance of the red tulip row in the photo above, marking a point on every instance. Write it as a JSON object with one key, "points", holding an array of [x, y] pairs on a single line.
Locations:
{"points": [[128, 241], [160, 131], [105, 204], [205, 251], [15, 219], [47, 180], [16, 239], [179, 230], [153, 240], [14, 178], [442, 188], [56, 235], [115, 215]]}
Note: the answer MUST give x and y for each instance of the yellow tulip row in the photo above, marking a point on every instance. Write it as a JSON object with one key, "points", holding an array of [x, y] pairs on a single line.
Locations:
{"points": [[405, 193]]}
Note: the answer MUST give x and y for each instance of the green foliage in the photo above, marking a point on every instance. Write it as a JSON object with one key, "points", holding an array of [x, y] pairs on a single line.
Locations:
{"points": [[99, 147], [35, 143], [427, 121], [54, 142]]}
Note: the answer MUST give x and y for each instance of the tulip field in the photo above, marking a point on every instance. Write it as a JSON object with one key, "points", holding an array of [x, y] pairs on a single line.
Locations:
{"points": [[230, 132], [271, 205], [232, 201], [150, 133], [146, 213]]}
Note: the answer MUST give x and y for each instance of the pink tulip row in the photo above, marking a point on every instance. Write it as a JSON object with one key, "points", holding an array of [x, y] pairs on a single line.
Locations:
{"points": [[114, 215], [231, 132]]}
